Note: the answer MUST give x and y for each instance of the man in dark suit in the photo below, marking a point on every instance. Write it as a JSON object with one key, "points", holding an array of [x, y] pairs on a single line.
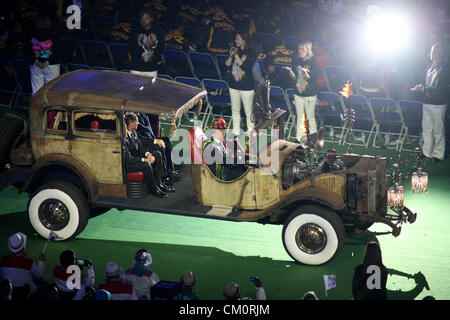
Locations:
{"points": [[138, 158], [152, 142]]}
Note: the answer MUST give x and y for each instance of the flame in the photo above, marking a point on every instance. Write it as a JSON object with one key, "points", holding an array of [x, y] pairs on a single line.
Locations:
{"points": [[346, 90], [304, 123]]}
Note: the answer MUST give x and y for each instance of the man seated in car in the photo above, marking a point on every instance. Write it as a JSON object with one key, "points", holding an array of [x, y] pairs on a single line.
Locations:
{"points": [[216, 153], [138, 158], [161, 144]]}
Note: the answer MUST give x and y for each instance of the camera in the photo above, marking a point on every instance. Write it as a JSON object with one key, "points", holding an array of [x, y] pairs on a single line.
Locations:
{"points": [[84, 262]]}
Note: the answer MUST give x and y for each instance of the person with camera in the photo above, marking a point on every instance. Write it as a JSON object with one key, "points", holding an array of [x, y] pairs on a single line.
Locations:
{"points": [[233, 291], [23, 272], [140, 276], [63, 278], [240, 79]]}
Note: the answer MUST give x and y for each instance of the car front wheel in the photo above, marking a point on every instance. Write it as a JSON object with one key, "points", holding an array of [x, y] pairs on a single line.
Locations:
{"points": [[313, 235], [58, 206]]}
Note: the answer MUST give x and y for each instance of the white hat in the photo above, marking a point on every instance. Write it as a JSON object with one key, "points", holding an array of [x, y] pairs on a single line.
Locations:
{"points": [[112, 269], [17, 242]]}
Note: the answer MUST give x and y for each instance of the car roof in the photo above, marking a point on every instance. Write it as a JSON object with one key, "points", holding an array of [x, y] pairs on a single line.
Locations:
{"points": [[115, 90]]}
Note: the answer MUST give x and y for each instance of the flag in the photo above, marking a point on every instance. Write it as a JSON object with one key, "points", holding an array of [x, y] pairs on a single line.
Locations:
{"points": [[51, 237], [330, 282]]}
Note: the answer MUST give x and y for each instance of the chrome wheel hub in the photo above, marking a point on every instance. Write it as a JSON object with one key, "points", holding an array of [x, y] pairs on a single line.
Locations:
{"points": [[53, 214], [311, 238]]}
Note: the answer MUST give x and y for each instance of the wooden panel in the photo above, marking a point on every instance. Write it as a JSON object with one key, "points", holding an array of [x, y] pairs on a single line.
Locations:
{"points": [[228, 193]]}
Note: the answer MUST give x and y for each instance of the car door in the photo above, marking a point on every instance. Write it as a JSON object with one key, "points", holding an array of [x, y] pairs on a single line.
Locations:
{"points": [[97, 143]]}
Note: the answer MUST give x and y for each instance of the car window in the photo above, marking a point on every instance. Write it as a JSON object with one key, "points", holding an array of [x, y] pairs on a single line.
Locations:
{"points": [[92, 124], [56, 121]]}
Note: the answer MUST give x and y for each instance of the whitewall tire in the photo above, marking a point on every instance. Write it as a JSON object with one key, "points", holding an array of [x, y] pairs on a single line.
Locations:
{"points": [[313, 235], [58, 206]]}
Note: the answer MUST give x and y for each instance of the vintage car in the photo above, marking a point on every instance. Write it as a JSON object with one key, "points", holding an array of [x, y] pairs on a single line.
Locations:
{"points": [[71, 164]]}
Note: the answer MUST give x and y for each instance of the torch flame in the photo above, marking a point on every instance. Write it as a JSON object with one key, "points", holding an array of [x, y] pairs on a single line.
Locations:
{"points": [[346, 89], [304, 123]]}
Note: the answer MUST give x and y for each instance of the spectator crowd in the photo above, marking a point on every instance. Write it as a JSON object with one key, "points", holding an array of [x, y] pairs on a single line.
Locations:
{"points": [[22, 278]]}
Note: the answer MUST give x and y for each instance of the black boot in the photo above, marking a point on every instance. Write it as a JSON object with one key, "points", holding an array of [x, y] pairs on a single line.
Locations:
{"points": [[157, 192], [166, 188]]}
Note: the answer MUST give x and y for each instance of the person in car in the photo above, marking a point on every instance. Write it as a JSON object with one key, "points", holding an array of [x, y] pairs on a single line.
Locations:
{"points": [[138, 158], [218, 156]]}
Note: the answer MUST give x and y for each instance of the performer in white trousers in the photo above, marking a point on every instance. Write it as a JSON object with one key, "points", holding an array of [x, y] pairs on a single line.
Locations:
{"points": [[247, 100], [435, 99], [241, 81], [304, 71]]}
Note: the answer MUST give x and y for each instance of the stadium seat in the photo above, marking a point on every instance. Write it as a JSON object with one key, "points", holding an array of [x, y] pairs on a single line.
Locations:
{"points": [[97, 53], [177, 63], [412, 115], [204, 65], [336, 77], [330, 107], [71, 51], [369, 83], [290, 122], [8, 83], [292, 42], [265, 39], [165, 76], [389, 121], [205, 108], [279, 99], [220, 60], [119, 54], [22, 73], [218, 98], [102, 26], [364, 123]]}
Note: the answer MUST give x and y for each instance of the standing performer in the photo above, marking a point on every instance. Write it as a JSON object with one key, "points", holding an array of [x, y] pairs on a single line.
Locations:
{"points": [[241, 82], [435, 98], [305, 97], [146, 44]]}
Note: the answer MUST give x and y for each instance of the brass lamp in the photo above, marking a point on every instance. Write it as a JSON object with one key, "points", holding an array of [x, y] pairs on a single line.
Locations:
{"points": [[396, 196], [419, 181]]}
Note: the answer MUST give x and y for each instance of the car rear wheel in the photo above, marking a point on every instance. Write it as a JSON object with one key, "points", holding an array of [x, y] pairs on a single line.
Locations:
{"points": [[313, 235], [58, 206]]}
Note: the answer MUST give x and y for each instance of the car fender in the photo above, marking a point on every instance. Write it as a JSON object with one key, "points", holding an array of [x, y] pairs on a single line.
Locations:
{"points": [[75, 166]]}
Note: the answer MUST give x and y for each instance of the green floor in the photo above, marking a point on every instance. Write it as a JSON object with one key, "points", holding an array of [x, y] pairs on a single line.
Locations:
{"points": [[220, 252]]}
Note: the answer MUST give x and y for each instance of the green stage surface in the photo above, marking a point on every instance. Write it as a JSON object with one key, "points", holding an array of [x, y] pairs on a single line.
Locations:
{"points": [[220, 251]]}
